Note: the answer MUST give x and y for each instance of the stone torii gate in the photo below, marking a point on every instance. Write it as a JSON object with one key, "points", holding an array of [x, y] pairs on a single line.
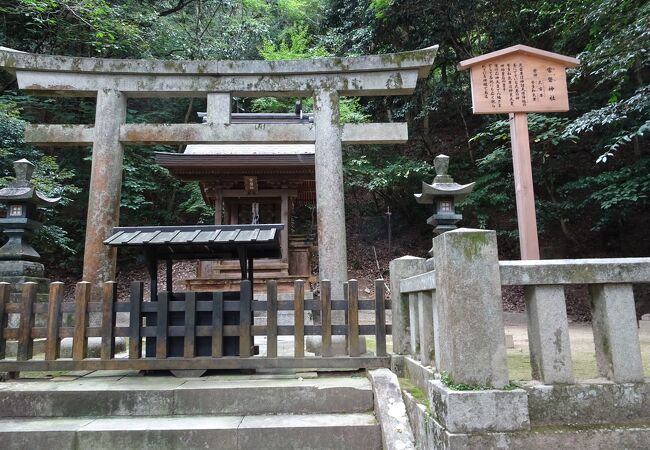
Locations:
{"points": [[112, 81]]}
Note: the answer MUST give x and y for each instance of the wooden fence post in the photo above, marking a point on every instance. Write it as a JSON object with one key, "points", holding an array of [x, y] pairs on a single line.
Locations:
{"points": [[53, 343], [217, 324], [299, 318], [25, 342], [272, 319], [245, 300], [189, 350], [135, 320], [353, 317], [4, 299], [80, 340], [380, 318], [326, 317], [162, 319]]}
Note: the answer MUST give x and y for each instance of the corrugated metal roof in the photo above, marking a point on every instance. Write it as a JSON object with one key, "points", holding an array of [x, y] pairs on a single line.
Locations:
{"points": [[201, 241]]}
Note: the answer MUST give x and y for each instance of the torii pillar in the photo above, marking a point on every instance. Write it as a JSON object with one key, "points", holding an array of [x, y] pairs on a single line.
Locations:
{"points": [[105, 187], [330, 202]]}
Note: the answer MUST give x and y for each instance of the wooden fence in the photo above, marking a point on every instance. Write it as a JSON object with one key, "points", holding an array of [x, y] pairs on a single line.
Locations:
{"points": [[150, 321]]}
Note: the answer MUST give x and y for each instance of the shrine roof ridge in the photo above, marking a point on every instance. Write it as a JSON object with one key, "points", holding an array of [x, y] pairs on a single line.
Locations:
{"points": [[567, 61], [420, 59]]}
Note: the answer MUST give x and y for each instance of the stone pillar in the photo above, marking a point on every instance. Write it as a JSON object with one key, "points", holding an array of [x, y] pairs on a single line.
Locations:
{"points": [[105, 188], [400, 268], [548, 334], [470, 332], [425, 312], [332, 252], [616, 337], [414, 324]]}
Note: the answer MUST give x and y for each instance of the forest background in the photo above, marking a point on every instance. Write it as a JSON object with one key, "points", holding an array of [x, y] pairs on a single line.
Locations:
{"points": [[591, 165]]}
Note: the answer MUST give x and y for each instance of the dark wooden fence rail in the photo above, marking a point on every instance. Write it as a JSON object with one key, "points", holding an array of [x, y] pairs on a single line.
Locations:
{"points": [[152, 320]]}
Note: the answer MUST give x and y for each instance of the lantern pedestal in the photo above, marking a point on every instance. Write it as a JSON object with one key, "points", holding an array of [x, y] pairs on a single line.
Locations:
{"points": [[21, 269]]}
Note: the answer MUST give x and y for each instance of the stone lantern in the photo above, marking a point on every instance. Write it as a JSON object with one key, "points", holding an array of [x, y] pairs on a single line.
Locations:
{"points": [[443, 193], [18, 259]]}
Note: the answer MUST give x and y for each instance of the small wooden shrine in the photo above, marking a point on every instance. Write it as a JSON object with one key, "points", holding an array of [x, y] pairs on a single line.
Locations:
{"points": [[255, 184]]}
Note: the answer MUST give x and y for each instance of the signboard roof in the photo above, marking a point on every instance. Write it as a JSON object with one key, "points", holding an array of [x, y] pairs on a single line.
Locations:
{"points": [[520, 49]]}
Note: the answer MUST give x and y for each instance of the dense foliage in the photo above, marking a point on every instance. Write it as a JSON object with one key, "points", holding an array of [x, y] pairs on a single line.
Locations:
{"points": [[591, 165]]}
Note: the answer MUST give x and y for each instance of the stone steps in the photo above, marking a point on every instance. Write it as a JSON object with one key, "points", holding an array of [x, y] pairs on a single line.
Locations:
{"points": [[162, 412], [164, 396], [309, 431]]}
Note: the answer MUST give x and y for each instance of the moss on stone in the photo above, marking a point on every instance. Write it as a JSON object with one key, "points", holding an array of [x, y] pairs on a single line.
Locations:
{"points": [[418, 394], [474, 242]]}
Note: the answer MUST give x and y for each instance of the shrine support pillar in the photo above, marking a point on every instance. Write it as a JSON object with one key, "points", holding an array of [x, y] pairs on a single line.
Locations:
{"points": [[284, 218], [332, 251], [105, 188]]}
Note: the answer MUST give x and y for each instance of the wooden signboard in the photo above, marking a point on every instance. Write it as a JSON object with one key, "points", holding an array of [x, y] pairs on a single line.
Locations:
{"points": [[518, 80]]}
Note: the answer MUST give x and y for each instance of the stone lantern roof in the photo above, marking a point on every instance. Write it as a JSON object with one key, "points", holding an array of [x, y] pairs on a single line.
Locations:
{"points": [[443, 184], [22, 188]]}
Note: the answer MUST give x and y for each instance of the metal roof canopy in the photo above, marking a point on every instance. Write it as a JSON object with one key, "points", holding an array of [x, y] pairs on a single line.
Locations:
{"points": [[243, 242]]}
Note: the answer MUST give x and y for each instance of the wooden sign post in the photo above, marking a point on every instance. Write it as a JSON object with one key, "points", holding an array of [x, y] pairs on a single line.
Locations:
{"points": [[518, 80]]}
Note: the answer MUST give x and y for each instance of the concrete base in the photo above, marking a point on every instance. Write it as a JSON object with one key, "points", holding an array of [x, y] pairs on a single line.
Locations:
{"points": [[479, 411], [585, 416], [313, 345], [430, 435], [588, 404]]}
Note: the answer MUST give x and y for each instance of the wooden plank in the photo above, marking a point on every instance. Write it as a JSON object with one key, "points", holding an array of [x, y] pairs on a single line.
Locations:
{"points": [[109, 297], [271, 319], [380, 318], [135, 320], [53, 343], [326, 318], [217, 324], [4, 299], [162, 317], [80, 340], [25, 342], [353, 317], [345, 319], [245, 299], [299, 318], [189, 350], [206, 363]]}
